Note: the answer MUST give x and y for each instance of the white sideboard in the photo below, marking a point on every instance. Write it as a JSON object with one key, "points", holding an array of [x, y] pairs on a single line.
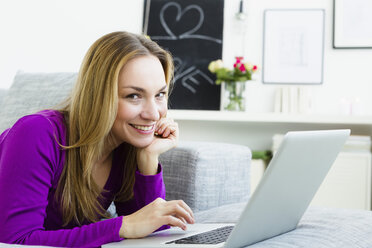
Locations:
{"points": [[348, 184], [257, 129]]}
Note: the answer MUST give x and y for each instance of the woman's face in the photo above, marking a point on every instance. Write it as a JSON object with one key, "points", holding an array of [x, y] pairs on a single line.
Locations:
{"points": [[142, 101]]}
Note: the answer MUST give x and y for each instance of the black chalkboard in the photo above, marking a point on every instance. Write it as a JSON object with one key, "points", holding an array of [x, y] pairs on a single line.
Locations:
{"points": [[192, 31]]}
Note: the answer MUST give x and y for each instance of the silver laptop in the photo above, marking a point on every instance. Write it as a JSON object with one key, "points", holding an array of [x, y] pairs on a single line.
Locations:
{"points": [[278, 203]]}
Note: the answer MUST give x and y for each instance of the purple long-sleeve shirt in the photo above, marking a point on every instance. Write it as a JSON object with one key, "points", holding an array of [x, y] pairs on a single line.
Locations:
{"points": [[31, 162]]}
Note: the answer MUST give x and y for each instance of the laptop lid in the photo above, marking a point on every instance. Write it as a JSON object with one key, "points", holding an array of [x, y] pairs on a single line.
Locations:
{"points": [[289, 184]]}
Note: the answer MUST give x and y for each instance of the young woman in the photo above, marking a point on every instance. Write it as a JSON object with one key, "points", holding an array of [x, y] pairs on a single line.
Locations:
{"points": [[61, 169]]}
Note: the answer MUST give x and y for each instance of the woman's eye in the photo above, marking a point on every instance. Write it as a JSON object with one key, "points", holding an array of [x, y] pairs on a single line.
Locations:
{"points": [[133, 96], [161, 95]]}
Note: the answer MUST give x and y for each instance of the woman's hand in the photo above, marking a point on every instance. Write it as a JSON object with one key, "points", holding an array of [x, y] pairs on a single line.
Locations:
{"points": [[166, 138], [156, 214]]}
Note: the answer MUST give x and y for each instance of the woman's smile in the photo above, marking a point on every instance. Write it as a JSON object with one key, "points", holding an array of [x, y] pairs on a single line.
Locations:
{"points": [[144, 129]]}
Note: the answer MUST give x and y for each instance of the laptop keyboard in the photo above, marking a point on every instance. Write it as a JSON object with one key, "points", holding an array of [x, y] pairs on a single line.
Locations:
{"points": [[212, 237]]}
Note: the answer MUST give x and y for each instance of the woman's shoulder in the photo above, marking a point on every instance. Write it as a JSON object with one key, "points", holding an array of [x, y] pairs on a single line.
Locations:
{"points": [[48, 114], [46, 122], [53, 117], [37, 137], [45, 118]]}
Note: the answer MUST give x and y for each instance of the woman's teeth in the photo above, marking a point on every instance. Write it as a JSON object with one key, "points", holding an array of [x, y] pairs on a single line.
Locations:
{"points": [[143, 128]]}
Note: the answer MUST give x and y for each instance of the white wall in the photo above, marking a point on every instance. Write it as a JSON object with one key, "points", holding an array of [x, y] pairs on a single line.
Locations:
{"points": [[50, 35], [346, 71], [53, 35]]}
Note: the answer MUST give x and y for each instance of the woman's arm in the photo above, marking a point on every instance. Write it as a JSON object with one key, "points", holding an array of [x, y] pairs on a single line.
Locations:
{"points": [[146, 189], [92, 235], [149, 184], [148, 211], [29, 164]]}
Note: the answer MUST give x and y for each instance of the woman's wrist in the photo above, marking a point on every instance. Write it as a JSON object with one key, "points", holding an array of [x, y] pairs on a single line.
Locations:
{"points": [[125, 229], [147, 163], [121, 230]]}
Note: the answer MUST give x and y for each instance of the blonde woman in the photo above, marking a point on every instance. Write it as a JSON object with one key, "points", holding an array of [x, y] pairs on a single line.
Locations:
{"points": [[61, 169]]}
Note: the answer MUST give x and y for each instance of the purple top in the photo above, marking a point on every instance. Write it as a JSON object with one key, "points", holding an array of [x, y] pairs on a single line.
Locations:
{"points": [[31, 162]]}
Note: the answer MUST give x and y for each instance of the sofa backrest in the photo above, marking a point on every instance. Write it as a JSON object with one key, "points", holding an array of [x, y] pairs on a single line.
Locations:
{"points": [[31, 92], [2, 95], [207, 174]]}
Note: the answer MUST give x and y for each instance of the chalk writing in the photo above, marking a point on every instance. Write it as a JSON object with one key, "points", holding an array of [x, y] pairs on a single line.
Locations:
{"points": [[189, 74], [190, 34]]}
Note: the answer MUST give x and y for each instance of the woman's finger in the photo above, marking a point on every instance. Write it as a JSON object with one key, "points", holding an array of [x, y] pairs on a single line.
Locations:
{"points": [[163, 124], [173, 221], [173, 129], [159, 127], [175, 209], [169, 130], [185, 206]]}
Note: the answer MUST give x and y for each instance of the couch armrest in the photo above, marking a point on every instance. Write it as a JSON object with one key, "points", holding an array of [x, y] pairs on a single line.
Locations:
{"points": [[207, 175]]}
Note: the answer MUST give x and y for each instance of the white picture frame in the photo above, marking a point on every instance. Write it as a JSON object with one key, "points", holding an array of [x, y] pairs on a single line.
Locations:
{"points": [[293, 46], [352, 21]]}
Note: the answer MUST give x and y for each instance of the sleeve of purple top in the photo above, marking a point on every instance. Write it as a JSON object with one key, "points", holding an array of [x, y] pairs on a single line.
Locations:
{"points": [[29, 157], [146, 189]]}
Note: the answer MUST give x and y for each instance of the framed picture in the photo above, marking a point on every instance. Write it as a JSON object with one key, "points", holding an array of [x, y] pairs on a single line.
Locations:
{"points": [[352, 24], [293, 46]]}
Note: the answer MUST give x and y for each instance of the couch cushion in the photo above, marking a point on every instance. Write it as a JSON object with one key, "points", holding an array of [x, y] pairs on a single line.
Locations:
{"points": [[31, 92], [207, 174]]}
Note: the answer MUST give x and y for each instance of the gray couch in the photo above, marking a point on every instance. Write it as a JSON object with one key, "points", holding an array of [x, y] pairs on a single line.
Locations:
{"points": [[213, 178]]}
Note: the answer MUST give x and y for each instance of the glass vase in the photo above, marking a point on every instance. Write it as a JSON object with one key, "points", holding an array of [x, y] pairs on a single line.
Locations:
{"points": [[233, 96]]}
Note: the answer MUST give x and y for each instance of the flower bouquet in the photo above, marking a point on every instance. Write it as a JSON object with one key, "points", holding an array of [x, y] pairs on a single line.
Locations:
{"points": [[233, 82]]}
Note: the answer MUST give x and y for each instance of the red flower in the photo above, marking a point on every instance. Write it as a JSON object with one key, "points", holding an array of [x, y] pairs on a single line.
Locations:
{"points": [[239, 63], [254, 68], [242, 68], [239, 60]]}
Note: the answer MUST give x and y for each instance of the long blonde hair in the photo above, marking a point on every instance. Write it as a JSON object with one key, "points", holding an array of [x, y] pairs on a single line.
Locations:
{"points": [[90, 112]]}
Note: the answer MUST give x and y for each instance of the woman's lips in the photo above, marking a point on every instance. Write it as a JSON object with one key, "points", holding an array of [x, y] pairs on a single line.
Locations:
{"points": [[144, 129]]}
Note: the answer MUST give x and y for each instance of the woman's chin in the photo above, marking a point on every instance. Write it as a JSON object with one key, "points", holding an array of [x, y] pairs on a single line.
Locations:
{"points": [[142, 143]]}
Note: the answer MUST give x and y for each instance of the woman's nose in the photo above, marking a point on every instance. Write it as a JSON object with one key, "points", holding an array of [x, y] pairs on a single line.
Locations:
{"points": [[151, 111]]}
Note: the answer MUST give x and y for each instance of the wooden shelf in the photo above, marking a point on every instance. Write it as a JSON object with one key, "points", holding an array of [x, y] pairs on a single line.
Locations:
{"points": [[225, 116]]}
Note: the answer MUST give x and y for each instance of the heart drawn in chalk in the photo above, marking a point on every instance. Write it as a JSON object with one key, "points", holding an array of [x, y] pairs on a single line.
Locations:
{"points": [[179, 14]]}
